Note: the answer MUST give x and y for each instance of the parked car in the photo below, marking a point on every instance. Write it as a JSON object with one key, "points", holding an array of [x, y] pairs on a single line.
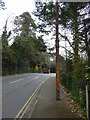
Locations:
{"points": [[45, 70]]}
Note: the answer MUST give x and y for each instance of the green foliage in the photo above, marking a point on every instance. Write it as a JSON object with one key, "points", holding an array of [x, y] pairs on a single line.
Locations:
{"points": [[72, 15], [46, 14], [74, 19], [25, 24], [26, 51], [40, 44], [23, 55]]}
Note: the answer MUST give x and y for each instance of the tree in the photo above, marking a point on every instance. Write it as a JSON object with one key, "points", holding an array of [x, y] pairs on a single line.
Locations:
{"points": [[40, 44], [8, 57], [71, 17], [25, 25], [57, 57], [75, 17], [46, 12], [85, 40], [27, 46], [2, 5]]}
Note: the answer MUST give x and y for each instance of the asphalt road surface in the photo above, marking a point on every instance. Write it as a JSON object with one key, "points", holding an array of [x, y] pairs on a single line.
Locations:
{"points": [[17, 89]]}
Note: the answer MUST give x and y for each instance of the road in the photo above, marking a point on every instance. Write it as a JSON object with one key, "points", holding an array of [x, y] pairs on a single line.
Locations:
{"points": [[17, 89]]}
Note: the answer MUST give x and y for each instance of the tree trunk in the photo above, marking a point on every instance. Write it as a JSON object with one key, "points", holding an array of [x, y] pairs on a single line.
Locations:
{"points": [[76, 58], [57, 57], [87, 45]]}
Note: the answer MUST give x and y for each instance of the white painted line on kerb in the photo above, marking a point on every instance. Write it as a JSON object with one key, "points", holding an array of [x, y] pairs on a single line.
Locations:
{"points": [[16, 81]]}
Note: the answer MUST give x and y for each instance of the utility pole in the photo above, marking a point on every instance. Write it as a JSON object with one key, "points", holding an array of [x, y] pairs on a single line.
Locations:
{"points": [[57, 57]]}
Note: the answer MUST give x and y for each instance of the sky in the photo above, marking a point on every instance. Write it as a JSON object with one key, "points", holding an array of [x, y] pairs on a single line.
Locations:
{"points": [[15, 8]]}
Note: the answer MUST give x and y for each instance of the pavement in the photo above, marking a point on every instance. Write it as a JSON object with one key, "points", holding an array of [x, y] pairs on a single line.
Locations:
{"points": [[48, 107]]}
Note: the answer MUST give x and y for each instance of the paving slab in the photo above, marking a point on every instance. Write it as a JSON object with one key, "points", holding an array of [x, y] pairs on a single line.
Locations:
{"points": [[47, 105]]}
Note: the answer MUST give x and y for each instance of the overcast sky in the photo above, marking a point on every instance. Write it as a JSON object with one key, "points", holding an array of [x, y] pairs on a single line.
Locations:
{"points": [[14, 8], [17, 7]]}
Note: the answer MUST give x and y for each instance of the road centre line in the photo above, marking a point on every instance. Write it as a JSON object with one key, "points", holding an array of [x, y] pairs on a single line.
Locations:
{"points": [[26, 105], [29, 77], [36, 77], [22, 79], [16, 80]]}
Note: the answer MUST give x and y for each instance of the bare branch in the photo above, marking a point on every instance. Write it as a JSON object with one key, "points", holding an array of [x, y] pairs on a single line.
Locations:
{"points": [[65, 37], [66, 49]]}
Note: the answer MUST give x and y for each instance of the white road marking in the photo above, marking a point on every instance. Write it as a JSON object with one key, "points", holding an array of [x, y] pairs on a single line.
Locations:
{"points": [[29, 77], [16, 80], [27, 104], [36, 77], [23, 79]]}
